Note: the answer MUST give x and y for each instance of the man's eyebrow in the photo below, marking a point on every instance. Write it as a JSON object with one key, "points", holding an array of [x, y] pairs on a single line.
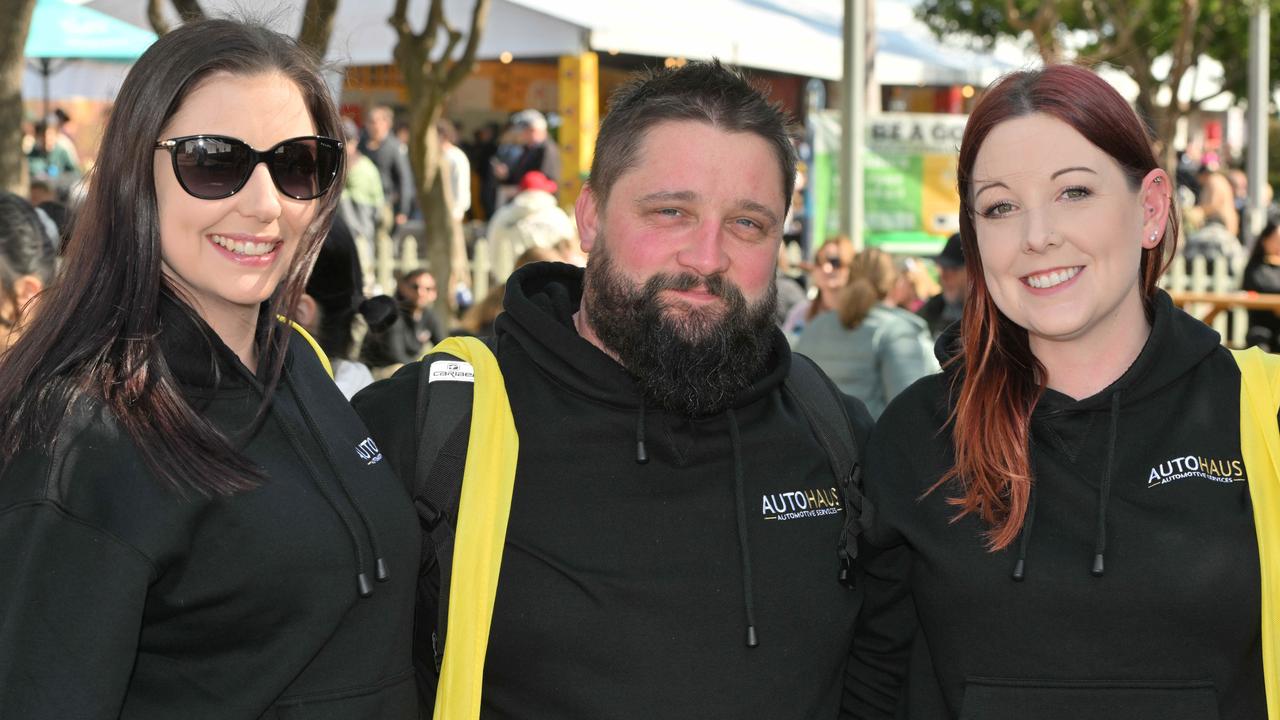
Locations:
{"points": [[753, 206], [1077, 168], [668, 196]]}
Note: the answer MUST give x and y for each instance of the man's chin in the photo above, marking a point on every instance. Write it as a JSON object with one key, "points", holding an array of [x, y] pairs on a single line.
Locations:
{"points": [[693, 324]]}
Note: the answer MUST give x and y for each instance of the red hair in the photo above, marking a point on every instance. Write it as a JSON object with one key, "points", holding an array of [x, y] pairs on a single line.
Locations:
{"points": [[999, 380]]}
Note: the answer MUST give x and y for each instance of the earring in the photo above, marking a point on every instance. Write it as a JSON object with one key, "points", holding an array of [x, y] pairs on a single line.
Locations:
{"points": [[1153, 237]]}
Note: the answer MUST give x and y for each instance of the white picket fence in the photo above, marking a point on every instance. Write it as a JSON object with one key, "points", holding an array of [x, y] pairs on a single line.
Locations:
{"points": [[400, 253], [392, 255], [1194, 276]]}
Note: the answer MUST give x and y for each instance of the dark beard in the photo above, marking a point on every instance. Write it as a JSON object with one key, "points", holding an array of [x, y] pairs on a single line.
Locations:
{"points": [[691, 361]]}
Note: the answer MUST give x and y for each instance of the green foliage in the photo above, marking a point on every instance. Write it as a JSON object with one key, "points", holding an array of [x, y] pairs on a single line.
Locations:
{"points": [[1128, 34]]}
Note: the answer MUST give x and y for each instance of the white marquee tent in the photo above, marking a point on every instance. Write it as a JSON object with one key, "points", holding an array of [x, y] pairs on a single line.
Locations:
{"points": [[793, 36]]}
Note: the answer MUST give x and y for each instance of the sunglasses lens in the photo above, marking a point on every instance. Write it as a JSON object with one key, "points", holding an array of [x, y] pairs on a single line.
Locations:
{"points": [[211, 168], [304, 169]]}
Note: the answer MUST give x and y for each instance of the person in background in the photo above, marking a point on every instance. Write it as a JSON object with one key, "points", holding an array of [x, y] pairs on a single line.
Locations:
{"points": [[1063, 522], [41, 191], [828, 275], [914, 286], [26, 263], [533, 218], [65, 137], [944, 309], [790, 291], [334, 307], [416, 331], [457, 168], [537, 150], [1262, 274], [362, 202], [52, 162], [480, 150], [392, 160], [196, 524], [869, 348], [478, 320]]}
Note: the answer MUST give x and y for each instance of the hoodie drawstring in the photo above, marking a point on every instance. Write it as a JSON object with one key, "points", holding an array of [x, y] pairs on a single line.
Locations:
{"points": [[1104, 496], [744, 550], [380, 566], [642, 455], [1104, 493], [1024, 538]]}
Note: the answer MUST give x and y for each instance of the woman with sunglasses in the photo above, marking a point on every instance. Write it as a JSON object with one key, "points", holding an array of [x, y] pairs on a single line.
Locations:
{"points": [[195, 522], [829, 274]]}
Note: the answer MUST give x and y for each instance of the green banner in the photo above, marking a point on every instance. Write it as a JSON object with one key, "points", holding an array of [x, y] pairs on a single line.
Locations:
{"points": [[910, 181]]}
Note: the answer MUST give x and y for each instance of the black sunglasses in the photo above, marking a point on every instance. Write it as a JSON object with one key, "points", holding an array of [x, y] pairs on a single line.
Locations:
{"points": [[212, 167], [835, 261]]}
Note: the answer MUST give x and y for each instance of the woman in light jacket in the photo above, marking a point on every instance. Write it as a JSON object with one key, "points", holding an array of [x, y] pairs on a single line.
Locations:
{"points": [[870, 349]]}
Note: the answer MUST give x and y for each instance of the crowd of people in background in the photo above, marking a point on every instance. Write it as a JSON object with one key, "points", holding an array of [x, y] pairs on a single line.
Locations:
{"points": [[202, 517], [503, 182]]}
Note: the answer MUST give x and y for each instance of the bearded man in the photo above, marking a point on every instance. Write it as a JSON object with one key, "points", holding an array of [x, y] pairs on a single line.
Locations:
{"points": [[660, 561]]}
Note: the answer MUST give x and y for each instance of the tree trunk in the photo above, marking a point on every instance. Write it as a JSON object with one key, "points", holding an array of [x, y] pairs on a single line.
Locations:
{"points": [[13, 39], [445, 248], [429, 81], [442, 235], [317, 26]]}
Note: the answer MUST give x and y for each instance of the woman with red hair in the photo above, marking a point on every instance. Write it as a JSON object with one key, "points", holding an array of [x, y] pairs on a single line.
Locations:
{"points": [[1062, 521]]}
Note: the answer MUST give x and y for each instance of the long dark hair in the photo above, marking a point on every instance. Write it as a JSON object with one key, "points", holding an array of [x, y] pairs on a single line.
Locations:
{"points": [[96, 333], [25, 249], [1001, 380]]}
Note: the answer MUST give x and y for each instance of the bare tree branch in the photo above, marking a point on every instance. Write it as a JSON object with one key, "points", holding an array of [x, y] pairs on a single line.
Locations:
{"points": [[155, 16], [1015, 17], [189, 10], [462, 68], [434, 18], [317, 26], [429, 78], [399, 21], [1197, 102]]}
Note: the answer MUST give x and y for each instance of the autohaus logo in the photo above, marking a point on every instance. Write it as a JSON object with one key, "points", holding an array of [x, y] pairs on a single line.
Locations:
{"points": [[1192, 466], [369, 452], [797, 504]]}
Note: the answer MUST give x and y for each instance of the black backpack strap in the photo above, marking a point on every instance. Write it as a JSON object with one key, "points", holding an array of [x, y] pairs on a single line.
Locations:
{"points": [[824, 408], [442, 421]]}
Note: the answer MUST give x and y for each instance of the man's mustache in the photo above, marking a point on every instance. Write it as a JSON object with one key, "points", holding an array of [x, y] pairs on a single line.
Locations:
{"points": [[714, 284]]}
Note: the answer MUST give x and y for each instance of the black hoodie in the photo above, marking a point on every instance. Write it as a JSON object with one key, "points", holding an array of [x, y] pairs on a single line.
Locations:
{"points": [[119, 598], [624, 587], [1140, 589]]}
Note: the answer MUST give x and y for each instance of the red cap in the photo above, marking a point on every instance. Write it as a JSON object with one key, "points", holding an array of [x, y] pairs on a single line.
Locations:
{"points": [[534, 180]]}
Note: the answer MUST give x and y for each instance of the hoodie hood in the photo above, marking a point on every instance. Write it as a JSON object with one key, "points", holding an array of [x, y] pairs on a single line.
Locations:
{"points": [[540, 302], [1061, 424], [207, 369], [1177, 343], [198, 358]]}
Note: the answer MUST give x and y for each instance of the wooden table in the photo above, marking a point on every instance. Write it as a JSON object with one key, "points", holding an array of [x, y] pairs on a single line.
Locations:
{"points": [[1217, 302]]}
